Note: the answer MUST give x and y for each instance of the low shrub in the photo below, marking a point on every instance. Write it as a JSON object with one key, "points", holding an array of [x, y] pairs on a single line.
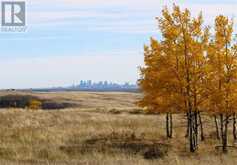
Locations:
{"points": [[32, 102], [17, 101], [35, 104], [55, 105]]}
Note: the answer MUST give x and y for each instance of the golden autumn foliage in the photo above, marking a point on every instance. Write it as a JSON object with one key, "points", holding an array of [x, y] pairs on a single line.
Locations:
{"points": [[188, 71], [222, 57], [174, 67], [35, 104]]}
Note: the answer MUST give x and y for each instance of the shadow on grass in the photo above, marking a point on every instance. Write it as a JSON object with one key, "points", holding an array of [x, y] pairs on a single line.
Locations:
{"points": [[117, 143]]}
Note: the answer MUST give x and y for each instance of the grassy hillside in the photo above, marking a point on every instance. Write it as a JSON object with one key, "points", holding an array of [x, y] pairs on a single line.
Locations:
{"points": [[105, 128]]}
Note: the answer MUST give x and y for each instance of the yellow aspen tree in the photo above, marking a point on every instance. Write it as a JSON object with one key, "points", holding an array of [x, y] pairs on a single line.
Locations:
{"points": [[172, 64], [222, 56], [179, 77], [154, 83], [191, 43], [148, 82]]}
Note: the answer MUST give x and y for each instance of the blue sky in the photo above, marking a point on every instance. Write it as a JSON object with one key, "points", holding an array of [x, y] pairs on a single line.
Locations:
{"points": [[70, 40]]}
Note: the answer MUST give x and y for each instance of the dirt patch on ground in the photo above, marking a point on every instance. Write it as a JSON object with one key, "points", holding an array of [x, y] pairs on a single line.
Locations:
{"points": [[117, 143]]}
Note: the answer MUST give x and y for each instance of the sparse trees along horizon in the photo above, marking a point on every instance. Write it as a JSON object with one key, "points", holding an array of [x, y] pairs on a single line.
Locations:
{"points": [[189, 72]]}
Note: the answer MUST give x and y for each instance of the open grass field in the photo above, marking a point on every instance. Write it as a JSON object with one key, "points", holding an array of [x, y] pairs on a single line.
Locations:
{"points": [[104, 129]]}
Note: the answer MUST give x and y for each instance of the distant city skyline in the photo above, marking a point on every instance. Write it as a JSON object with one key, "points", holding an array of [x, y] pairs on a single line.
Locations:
{"points": [[89, 85], [103, 85], [106, 82]]}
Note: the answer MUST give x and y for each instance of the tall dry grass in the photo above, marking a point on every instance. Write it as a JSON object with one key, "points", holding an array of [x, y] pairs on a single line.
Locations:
{"points": [[36, 137]]}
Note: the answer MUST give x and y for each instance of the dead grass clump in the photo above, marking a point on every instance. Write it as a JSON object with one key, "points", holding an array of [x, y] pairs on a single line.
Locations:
{"points": [[117, 143], [7, 153], [136, 111], [230, 149], [51, 105], [212, 135], [115, 111]]}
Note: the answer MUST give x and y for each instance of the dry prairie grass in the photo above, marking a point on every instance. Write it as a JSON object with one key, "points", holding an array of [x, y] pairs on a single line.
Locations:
{"points": [[40, 137], [99, 100]]}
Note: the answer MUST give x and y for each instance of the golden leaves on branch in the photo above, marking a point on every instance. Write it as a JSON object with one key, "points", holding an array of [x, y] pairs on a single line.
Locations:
{"points": [[189, 66]]}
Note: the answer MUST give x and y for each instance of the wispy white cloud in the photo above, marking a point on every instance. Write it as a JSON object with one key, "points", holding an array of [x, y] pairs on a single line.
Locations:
{"points": [[99, 3], [131, 16]]}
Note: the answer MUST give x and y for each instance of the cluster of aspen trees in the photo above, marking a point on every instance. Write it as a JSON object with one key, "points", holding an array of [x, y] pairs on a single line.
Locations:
{"points": [[192, 70]]}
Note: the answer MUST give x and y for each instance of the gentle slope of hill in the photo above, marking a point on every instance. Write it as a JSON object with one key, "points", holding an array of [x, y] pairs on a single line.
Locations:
{"points": [[102, 130]]}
